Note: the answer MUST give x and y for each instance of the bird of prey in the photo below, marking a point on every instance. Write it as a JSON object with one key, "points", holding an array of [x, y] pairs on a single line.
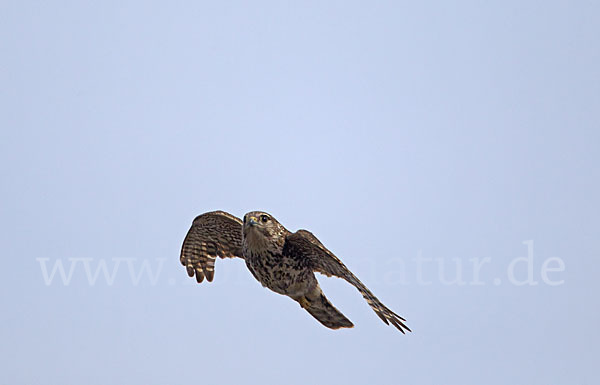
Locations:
{"points": [[280, 260]]}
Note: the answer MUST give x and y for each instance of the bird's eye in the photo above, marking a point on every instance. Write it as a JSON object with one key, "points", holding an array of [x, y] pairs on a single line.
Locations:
{"points": [[264, 218]]}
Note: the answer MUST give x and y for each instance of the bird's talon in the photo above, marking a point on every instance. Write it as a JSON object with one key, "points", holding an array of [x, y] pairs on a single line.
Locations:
{"points": [[304, 303]]}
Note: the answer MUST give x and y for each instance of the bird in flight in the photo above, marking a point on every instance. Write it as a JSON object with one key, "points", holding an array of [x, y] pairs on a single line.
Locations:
{"points": [[280, 260]]}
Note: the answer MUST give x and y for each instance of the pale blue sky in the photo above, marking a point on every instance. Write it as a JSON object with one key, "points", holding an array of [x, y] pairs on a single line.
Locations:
{"points": [[410, 137]]}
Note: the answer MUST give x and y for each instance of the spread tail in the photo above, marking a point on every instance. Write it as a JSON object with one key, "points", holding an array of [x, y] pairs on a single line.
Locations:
{"points": [[319, 307]]}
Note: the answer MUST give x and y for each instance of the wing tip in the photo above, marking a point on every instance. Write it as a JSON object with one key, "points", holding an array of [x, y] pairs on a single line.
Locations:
{"points": [[199, 276], [400, 326], [190, 270]]}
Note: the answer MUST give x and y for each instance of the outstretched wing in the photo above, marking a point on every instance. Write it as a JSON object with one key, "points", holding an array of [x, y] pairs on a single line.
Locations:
{"points": [[212, 234], [304, 243]]}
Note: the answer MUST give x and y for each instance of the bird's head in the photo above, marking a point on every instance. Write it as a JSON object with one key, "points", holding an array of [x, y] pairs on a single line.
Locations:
{"points": [[262, 231]]}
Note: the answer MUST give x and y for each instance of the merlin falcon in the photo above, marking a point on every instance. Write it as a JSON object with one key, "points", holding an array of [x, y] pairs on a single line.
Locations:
{"points": [[280, 260]]}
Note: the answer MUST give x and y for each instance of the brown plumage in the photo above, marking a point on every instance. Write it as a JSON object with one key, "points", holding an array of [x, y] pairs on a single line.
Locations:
{"points": [[280, 260]]}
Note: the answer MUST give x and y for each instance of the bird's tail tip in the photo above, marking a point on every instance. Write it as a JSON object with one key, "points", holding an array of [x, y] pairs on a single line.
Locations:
{"points": [[319, 307]]}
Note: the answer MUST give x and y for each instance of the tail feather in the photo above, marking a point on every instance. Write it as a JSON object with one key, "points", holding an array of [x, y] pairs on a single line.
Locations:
{"points": [[319, 307]]}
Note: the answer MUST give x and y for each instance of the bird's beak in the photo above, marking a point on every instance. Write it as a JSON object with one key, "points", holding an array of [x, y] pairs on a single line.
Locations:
{"points": [[252, 221]]}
